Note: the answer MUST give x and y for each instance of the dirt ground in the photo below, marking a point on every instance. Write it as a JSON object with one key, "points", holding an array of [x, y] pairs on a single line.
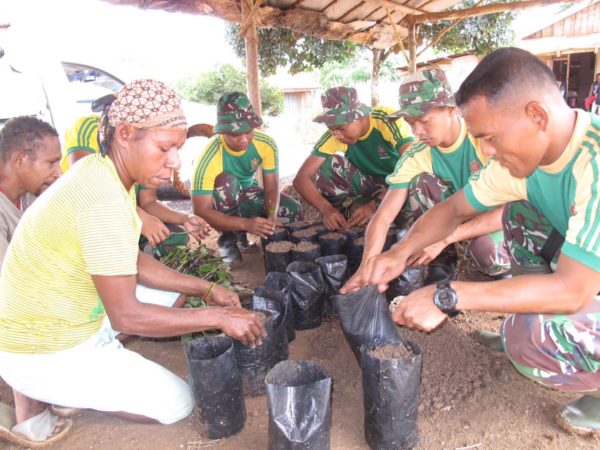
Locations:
{"points": [[470, 397]]}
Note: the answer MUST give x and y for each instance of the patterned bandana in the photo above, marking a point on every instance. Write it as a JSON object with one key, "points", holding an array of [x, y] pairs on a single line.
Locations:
{"points": [[147, 104]]}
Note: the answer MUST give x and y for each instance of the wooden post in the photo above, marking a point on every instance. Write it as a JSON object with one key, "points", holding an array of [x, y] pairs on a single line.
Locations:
{"points": [[252, 76], [251, 41], [412, 46]]}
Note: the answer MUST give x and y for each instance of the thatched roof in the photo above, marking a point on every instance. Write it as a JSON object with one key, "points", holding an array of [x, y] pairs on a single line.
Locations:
{"points": [[365, 22]]}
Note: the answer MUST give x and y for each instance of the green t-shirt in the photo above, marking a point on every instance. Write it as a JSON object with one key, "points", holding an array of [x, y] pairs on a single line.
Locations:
{"points": [[454, 164], [218, 158], [377, 151], [566, 192]]}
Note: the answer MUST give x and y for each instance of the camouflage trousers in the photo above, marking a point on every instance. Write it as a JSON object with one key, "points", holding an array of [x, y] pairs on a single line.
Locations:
{"points": [[230, 198], [560, 351], [488, 252], [345, 186]]}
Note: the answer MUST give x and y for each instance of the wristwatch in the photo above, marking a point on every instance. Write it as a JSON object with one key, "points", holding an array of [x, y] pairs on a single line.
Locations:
{"points": [[445, 298]]}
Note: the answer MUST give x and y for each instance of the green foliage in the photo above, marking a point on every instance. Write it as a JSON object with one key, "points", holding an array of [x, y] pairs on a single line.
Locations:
{"points": [[357, 70], [481, 35], [280, 47], [207, 87]]}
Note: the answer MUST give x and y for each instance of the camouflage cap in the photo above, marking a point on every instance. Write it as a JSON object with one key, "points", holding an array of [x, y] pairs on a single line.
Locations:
{"points": [[235, 114], [426, 89], [341, 106]]}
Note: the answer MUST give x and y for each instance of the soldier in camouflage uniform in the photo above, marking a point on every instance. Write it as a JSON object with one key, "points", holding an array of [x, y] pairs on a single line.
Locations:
{"points": [[433, 169], [224, 190], [551, 224], [344, 177]]}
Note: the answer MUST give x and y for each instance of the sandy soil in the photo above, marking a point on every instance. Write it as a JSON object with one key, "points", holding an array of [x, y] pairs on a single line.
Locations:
{"points": [[470, 397]]}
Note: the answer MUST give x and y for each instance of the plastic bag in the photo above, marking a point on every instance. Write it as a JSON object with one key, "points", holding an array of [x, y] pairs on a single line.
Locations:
{"points": [[332, 243], [280, 234], [277, 285], [306, 251], [217, 386], [391, 375], [408, 281], [365, 318], [254, 362], [306, 234], [355, 253], [299, 403], [334, 269], [262, 300], [306, 291], [277, 256]]}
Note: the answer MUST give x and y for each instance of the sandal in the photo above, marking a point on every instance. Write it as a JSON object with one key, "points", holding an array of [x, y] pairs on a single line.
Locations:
{"points": [[39, 431], [65, 411]]}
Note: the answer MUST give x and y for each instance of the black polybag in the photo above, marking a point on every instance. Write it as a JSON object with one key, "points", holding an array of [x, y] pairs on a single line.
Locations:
{"points": [[334, 269], [390, 239], [295, 226], [278, 285], [355, 253], [332, 246], [305, 255], [217, 386], [277, 261], [408, 281], [391, 398], [254, 362], [299, 403], [262, 300], [307, 294], [280, 234], [306, 234], [365, 317]]}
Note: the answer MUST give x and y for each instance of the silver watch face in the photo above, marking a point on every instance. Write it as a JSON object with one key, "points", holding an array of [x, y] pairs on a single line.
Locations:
{"points": [[445, 298]]}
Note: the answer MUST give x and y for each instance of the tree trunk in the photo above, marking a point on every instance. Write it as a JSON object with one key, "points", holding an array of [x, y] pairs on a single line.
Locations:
{"points": [[379, 57], [377, 53]]}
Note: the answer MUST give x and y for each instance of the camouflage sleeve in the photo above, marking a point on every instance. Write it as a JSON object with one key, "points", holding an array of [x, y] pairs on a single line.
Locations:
{"points": [[267, 149], [415, 161], [328, 145], [492, 186], [208, 167]]}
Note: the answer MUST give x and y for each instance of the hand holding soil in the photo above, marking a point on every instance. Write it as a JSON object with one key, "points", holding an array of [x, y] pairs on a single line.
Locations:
{"points": [[334, 220], [243, 325], [362, 215], [382, 269], [417, 311]]}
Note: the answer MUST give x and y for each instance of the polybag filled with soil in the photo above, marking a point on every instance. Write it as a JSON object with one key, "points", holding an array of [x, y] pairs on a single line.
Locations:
{"points": [[277, 285], [365, 318], [278, 255], [262, 300], [254, 362], [391, 375], [217, 386], [280, 234], [355, 233], [298, 225], [355, 253], [299, 404], [306, 234], [306, 291], [320, 228], [305, 251], [332, 244]]}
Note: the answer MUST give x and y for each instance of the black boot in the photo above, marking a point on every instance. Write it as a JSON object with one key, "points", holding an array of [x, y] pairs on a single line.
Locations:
{"points": [[228, 249], [442, 268], [244, 244]]}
